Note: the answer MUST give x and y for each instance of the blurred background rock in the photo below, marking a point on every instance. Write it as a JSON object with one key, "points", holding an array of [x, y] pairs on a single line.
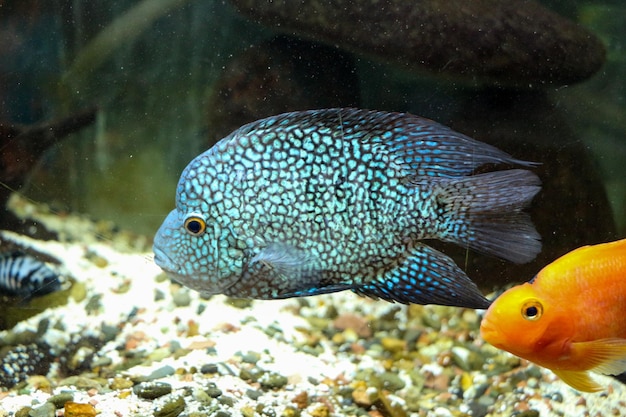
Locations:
{"points": [[542, 80]]}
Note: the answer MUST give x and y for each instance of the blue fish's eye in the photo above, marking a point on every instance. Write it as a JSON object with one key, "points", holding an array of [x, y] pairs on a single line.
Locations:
{"points": [[195, 225], [532, 310]]}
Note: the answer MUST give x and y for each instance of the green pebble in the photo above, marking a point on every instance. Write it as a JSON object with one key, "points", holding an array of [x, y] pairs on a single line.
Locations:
{"points": [[152, 390], [467, 359], [247, 411], [209, 368], [391, 381], [253, 394], [253, 374], [181, 298], [273, 381], [171, 408], [249, 357], [159, 295], [290, 412], [94, 304], [213, 391], [241, 303], [23, 412], [528, 413], [226, 400], [83, 383], [46, 410], [59, 400]]}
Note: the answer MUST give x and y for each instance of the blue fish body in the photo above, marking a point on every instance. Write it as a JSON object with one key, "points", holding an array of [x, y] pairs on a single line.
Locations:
{"points": [[319, 201], [23, 276]]}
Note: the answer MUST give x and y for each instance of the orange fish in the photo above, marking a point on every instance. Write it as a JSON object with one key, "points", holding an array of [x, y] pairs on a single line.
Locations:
{"points": [[571, 318]]}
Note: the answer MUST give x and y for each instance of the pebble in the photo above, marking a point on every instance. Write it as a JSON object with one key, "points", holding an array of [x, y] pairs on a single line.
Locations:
{"points": [[171, 408], [209, 368], [120, 383], [249, 357], [162, 372], [393, 345], [391, 381], [47, 409], [59, 400], [152, 390], [253, 394], [181, 297], [273, 380], [73, 409], [213, 391], [83, 382], [466, 359]]}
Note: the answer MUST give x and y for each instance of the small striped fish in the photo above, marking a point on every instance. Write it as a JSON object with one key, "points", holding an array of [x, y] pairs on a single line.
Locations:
{"points": [[23, 276]]}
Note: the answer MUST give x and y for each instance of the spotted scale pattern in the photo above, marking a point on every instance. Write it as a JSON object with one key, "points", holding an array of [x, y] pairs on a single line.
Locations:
{"points": [[318, 201]]}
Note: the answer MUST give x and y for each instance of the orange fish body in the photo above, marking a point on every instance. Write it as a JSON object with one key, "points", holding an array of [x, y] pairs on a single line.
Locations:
{"points": [[571, 318]]}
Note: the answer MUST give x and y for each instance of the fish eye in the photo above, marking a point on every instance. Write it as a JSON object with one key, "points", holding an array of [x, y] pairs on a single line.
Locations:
{"points": [[532, 310], [195, 225]]}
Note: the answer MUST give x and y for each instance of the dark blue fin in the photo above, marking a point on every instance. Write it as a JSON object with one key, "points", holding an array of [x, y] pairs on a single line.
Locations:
{"points": [[434, 150], [427, 276], [422, 146], [485, 212]]}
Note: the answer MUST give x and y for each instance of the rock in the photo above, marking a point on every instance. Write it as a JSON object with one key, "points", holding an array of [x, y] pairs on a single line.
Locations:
{"points": [[391, 381], [60, 400], [46, 410], [354, 322], [209, 368], [279, 75], [22, 146], [152, 390], [212, 390], [171, 408], [510, 42], [272, 380], [73, 409]]}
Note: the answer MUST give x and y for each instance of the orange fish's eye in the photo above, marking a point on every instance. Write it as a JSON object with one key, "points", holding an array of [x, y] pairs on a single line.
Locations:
{"points": [[532, 310], [195, 225]]}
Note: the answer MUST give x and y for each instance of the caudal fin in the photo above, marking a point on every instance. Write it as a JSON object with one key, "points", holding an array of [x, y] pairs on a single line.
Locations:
{"points": [[485, 211]]}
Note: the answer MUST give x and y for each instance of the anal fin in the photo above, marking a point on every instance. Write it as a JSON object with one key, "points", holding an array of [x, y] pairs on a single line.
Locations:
{"points": [[426, 276]]}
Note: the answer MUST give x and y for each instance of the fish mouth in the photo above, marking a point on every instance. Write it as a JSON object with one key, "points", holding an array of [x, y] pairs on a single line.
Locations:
{"points": [[163, 261], [490, 333]]}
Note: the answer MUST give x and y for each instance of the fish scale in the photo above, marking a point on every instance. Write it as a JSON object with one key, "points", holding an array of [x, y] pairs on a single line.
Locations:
{"points": [[318, 201]]}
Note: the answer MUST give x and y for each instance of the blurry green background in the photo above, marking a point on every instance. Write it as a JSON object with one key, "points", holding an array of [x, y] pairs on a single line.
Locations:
{"points": [[151, 67]]}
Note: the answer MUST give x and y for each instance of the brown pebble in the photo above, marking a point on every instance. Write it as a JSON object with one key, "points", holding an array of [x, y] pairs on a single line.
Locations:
{"points": [[73, 409], [362, 398], [439, 382], [354, 322], [301, 400]]}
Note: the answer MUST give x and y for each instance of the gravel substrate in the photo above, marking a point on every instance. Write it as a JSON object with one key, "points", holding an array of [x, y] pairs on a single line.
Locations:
{"points": [[125, 341]]}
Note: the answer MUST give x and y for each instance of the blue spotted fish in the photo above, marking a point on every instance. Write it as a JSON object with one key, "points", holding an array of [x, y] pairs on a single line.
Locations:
{"points": [[24, 277], [319, 201]]}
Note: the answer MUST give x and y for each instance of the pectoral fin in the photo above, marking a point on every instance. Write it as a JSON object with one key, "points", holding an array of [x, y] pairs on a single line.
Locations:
{"points": [[604, 356], [283, 271], [580, 380]]}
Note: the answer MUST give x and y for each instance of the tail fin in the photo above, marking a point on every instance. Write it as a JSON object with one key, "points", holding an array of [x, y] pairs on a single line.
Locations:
{"points": [[485, 212]]}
